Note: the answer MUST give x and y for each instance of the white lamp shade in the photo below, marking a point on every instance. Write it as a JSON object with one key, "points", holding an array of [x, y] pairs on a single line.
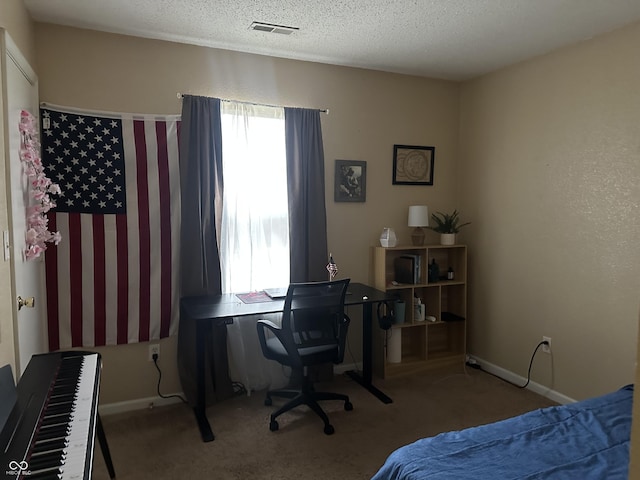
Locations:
{"points": [[418, 216]]}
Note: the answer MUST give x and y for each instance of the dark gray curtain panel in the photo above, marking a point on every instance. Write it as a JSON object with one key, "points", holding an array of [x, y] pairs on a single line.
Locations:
{"points": [[307, 210], [201, 184]]}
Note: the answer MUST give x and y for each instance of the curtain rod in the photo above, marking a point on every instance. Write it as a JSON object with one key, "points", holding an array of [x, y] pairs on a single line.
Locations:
{"points": [[104, 113], [322, 110]]}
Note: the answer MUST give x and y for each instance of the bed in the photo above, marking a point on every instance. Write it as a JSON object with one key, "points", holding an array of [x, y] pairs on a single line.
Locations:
{"points": [[582, 440]]}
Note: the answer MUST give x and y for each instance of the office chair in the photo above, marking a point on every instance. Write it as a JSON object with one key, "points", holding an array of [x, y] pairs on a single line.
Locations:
{"points": [[313, 332]]}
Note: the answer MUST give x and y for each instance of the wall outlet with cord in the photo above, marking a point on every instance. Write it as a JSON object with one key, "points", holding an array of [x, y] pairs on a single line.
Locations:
{"points": [[154, 352]]}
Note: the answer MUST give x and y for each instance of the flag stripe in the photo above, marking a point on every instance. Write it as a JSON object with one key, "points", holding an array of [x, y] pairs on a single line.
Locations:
{"points": [[155, 215], [75, 277], [144, 237], [165, 228], [64, 281], [174, 195], [51, 269], [87, 255], [111, 280], [99, 285], [131, 229], [122, 241]]}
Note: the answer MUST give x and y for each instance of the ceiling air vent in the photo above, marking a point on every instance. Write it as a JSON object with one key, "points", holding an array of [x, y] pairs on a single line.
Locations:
{"points": [[271, 28]]}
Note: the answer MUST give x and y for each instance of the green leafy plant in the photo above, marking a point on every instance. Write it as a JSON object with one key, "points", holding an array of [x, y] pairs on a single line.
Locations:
{"points": [[447, 222]]}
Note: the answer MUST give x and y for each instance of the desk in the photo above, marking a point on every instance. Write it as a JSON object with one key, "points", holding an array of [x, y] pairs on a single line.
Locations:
{"points": [[211, 309]]}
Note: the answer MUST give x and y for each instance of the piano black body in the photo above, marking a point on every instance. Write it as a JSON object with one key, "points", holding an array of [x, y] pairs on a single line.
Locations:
{"points": [[53, 419]]}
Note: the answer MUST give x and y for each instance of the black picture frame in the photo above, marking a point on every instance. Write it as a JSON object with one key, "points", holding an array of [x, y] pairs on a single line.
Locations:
{"points": [[350, 183], [413, 165]]}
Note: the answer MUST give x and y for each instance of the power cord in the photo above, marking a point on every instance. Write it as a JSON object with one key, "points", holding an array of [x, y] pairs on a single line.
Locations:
{"points": [[155, 362], [477, 366], [239, 388]]}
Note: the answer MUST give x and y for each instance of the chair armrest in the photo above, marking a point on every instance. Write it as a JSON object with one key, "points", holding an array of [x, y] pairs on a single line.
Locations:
{"points": [[283, 337], [268, 324], [262, 326]]}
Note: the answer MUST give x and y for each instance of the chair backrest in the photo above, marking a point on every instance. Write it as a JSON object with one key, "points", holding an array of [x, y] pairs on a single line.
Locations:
{"points": [[314, 315]]}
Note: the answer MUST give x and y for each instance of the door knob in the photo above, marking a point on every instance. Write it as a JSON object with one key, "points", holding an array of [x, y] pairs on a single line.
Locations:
{"points": [[26, 302]]}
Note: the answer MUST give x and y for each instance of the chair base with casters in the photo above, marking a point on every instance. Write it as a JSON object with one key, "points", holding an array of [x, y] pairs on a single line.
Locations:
{"points": [[305, 396]]}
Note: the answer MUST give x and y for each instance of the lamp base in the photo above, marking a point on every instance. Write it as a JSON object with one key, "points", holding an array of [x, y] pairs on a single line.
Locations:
{"points": [[417, 236]]}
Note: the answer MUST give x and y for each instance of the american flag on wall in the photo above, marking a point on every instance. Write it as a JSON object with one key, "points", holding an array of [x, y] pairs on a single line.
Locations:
{"points": [[114, 278]]}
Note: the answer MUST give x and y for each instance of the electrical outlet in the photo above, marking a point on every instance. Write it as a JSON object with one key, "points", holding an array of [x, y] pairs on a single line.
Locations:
{"points": [[546, 348], [154, 349]]}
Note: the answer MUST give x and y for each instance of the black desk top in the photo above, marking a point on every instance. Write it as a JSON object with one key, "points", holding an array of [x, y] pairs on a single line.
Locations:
{"points": [[229, 305]]}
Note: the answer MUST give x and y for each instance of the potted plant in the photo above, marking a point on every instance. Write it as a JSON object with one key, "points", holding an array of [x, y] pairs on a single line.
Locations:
{"points": [[447, 225]]}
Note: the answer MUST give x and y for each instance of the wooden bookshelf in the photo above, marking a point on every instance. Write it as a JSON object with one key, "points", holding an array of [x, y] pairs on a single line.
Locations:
{"points": [[425, 343]]}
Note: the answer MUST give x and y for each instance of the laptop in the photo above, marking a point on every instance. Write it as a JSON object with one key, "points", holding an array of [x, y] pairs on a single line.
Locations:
{"points": [[275, 293]]}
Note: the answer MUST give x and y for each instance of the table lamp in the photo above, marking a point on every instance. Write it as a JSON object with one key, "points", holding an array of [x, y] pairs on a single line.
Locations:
{"points": [[418, 218]]}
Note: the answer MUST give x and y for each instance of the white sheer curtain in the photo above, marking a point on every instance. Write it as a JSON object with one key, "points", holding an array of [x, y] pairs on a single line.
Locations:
{"points": [[254, 243]]}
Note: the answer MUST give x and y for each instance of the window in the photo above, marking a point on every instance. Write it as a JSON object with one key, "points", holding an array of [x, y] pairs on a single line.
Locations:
{"points": [[255, 222]]}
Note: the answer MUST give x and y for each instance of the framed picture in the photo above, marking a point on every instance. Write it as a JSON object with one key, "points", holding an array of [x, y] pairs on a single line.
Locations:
{"points": [[350, 181], [413, 165]]}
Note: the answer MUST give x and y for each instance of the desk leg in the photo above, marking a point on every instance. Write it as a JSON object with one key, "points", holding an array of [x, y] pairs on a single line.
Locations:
{"points": [[366, 379], [203, 328]]}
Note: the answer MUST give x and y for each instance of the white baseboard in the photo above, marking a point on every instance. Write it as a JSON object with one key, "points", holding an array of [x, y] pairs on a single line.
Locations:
{"points": [[518, 380], [137, 404], [150, 402]]}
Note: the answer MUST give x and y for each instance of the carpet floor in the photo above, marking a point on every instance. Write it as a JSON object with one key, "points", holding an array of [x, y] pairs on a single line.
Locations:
{"points": [[164, 442]]}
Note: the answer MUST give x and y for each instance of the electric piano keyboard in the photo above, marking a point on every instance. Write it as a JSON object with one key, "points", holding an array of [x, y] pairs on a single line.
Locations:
{"points": [[50, 431]]}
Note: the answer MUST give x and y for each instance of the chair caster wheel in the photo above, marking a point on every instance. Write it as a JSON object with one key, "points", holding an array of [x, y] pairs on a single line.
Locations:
{"points": [[348, 406], [329, 430], [273, 426], [268, 401]]}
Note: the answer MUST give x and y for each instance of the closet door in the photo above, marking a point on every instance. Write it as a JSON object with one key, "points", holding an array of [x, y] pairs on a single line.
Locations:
{"points": [[20, 92]]}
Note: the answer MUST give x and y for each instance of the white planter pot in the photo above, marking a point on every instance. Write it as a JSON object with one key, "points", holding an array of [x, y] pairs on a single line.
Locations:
{"points": [[447, 239]]}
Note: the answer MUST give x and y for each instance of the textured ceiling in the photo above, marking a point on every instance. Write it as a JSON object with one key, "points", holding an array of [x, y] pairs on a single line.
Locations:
{"points": [[450, 39]]}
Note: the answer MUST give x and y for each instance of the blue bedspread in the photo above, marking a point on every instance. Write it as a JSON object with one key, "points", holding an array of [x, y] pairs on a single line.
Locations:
{"points": [[583, 440]]}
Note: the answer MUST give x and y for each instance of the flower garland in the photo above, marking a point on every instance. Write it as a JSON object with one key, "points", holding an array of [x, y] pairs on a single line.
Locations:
{"points": [[37, 233]]}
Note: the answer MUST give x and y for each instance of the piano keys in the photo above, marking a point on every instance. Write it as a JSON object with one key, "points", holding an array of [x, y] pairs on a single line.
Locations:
{"points": [[50, 430]]}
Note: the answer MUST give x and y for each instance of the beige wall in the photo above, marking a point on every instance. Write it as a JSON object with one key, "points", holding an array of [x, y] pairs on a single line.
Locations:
{"points": [[15, 20], [550, 175], [634, 466], [369, 112]]}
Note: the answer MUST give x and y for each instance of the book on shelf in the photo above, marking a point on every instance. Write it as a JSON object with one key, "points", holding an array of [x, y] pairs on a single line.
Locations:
{"points": [[407, 269]]}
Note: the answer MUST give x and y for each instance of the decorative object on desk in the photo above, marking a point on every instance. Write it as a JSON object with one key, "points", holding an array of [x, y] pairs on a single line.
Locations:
{"points": [[418, 218], [399, 311], [447, 225], [434, 271], [413, 165], [332, 268], [388, 237], [350, 181]]}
